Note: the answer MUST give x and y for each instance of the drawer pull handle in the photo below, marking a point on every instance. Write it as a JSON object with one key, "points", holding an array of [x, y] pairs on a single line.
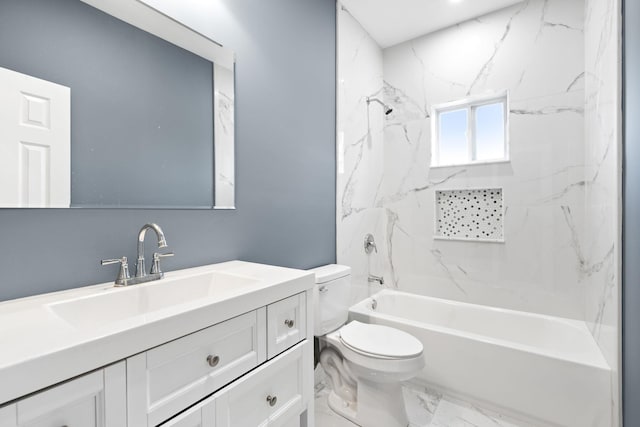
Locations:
{"points": [[289, 323], [213, 360], [272, 400]]}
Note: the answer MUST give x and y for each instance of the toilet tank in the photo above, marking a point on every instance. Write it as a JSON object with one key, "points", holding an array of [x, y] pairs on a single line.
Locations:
{"points": [[331, 297]]}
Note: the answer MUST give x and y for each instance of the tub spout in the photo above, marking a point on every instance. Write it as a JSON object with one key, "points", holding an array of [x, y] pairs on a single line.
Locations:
{"points": [[378, 279]]}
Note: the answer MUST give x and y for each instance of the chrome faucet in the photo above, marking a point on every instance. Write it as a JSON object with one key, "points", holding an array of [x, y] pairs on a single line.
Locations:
{"points": [[162, 243], [156, 273]]}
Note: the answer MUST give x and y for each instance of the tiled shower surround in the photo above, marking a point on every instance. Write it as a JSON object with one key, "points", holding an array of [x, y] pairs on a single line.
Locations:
{"points": [[559, 61], [597, 244], [535, 50]]}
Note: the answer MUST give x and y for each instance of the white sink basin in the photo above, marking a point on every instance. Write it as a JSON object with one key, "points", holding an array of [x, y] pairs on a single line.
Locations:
{"points": [[118, 304]]}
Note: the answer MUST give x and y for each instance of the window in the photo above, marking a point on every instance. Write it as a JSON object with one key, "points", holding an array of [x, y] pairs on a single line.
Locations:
{"points": [[472, 130]]}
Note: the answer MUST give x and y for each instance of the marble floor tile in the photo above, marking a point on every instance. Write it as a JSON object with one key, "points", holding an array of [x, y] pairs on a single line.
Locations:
{"points": [[450, 414], [424, 408], [421, 405]]}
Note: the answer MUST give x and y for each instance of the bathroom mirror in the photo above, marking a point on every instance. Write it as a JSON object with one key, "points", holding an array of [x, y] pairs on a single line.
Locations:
{"points": [[113, 104]]}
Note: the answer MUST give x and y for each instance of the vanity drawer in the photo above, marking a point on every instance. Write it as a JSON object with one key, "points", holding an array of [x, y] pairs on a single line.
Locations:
{"points": [[286, 323], [167, 379], [273, 394]]}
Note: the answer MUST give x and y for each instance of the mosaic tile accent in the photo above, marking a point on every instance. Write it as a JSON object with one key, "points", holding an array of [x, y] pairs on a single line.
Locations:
{"points": [[470, 215]]}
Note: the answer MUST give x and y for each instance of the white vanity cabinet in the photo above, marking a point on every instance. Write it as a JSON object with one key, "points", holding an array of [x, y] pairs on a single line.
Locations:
{"points": [[97, 399], [242, 358], [166, 380]]}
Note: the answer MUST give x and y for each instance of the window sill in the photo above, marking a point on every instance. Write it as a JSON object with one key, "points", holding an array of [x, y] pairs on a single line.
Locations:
{"points": [[480, 163]]}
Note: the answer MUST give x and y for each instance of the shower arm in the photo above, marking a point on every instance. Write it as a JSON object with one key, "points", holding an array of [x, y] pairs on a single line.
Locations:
{"points": [[387, 109]]}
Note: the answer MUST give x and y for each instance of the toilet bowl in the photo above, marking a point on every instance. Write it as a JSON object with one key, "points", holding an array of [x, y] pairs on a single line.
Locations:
{"points": [[377, 358], [365, 363]]}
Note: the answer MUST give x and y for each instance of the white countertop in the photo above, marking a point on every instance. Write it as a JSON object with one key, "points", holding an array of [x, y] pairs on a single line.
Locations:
{"points": [[39, 348]]}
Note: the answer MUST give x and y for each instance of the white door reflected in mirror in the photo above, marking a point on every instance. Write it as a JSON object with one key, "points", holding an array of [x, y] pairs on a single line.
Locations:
{"points": [[35, 142]]}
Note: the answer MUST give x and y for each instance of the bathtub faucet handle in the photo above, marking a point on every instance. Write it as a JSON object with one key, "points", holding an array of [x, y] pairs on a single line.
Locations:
{"points": [[370, 244]]}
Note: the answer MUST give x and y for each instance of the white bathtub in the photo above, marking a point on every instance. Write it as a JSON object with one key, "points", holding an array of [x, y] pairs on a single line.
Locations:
{"points": [[547, 370]]}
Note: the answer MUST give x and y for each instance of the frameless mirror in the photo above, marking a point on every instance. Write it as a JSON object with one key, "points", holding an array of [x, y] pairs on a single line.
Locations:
{"points": [[112, 103]]}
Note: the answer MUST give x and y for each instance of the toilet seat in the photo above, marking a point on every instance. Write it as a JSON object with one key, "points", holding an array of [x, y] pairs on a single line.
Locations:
{"points": [[381, 342]]}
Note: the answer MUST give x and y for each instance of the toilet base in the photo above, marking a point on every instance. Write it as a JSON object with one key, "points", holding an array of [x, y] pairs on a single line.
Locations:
{"points": [[343, 408], [378, 405]]}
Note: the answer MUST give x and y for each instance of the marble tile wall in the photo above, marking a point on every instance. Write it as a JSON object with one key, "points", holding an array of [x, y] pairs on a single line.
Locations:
{"points": [[598, 246], [536, 51], [360, 150], [559, 60]]}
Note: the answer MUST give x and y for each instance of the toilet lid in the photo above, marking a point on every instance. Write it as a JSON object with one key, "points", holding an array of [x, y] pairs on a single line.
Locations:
{"points": [[380, 340]]}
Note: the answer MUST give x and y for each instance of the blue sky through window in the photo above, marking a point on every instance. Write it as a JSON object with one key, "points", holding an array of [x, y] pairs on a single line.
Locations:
{"points": [[490, 132], [453, 137]]}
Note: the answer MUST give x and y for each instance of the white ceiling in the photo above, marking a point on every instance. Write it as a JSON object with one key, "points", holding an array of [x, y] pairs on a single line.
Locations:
{"points": [[394, 21]]}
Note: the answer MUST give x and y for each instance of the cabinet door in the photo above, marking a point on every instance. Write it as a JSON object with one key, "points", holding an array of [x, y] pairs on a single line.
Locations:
{"points": [[201, 415], [97, 399], [273, 394], [286, 323]]}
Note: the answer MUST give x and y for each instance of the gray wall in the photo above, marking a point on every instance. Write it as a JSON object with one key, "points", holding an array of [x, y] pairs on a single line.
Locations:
{"points": [[631, 224], [631, 233], [285, 163], [133, 96]]}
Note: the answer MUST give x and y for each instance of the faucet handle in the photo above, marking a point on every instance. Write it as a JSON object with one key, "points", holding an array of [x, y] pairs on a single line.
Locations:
{"points": [[123, 274], [122, 260], [370, 244], [155, 267]]}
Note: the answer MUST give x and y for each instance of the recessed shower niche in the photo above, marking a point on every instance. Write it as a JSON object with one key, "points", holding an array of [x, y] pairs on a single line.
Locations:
{"points": [[473, 214]]}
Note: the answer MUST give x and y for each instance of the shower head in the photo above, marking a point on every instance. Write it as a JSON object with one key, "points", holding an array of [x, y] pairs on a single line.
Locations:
{"points": [[386, 108]]}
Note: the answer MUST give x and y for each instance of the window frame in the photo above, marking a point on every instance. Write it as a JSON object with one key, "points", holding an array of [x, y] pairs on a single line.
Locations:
{"points": [[470, 104]]}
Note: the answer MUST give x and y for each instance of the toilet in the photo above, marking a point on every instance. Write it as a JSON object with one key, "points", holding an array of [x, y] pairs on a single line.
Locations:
{"points": [[366, 363]]}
